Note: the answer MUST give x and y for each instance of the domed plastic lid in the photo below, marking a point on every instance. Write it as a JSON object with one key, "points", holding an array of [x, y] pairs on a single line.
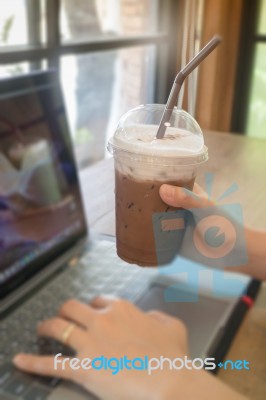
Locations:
{"points": [[136, 134]]}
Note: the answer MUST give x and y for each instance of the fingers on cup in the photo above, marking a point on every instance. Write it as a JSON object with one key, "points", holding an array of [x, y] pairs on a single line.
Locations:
{"points": [[174, 195], [197, 189], [182, 197]]}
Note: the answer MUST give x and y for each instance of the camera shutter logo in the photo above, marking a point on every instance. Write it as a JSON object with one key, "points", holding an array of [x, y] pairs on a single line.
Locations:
{"points": [[214, 236]]}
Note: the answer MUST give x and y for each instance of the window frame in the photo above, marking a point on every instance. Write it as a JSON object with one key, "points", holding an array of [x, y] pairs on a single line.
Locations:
{"points": [[166, 56], [246, 58]]}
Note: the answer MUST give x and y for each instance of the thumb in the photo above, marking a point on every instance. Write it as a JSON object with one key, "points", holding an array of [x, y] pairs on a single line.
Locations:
{"points": [[180, 197]]}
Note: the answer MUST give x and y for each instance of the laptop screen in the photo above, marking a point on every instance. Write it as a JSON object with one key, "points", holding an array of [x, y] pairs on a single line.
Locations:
{"points": [[41, 212]]}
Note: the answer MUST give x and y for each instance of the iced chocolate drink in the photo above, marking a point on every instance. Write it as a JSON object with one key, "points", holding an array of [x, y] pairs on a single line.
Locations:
{"points": [[142, 164]]}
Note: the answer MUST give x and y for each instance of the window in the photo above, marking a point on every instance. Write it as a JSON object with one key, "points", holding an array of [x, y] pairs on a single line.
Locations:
{"points": [[21, 22], [256, 121], [249, 113], [110, 54]]}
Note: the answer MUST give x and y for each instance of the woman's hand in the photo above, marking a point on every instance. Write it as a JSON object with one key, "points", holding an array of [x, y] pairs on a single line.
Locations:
{"points": [[196, 201], [179, 197], [111, 327]]}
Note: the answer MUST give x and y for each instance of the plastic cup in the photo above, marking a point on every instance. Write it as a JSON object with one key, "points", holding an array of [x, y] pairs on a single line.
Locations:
{"points": [[142, 164]]}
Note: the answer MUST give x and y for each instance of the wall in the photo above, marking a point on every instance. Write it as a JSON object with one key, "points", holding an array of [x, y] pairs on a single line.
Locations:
{"points": [[217, 74]]}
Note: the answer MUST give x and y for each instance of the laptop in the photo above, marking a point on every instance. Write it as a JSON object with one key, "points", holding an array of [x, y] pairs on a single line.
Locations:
{"points": [[47, 255]]}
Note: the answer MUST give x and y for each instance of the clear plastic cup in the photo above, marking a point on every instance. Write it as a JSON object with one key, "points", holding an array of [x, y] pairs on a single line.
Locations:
{"points": [[142, 164]]}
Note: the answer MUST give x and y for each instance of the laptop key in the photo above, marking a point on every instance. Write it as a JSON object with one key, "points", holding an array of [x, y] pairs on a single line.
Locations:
{"points": [[48, 346], [2, 359], [18, 385], [48, 382], [37, 393], [6, 373], [14, 344]]}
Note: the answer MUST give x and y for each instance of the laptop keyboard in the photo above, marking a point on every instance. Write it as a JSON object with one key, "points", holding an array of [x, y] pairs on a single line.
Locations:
{"points": [[98, 271]]}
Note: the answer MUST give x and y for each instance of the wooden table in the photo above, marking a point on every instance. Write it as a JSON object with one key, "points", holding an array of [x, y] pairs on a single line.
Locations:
{"points": [[232, 159]]}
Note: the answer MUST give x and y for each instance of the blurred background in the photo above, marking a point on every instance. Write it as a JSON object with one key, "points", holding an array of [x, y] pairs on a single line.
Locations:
{"points": [[113, 55]]}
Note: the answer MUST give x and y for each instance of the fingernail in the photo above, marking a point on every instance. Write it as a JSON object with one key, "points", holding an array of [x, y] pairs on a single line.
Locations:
{"points": [[18, 360], [168, 191]]}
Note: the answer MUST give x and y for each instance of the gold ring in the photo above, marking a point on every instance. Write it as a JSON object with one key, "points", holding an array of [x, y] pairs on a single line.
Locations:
{"points": [[67, 332]]}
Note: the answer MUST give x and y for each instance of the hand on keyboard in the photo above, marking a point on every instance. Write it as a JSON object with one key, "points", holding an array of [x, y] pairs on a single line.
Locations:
{"points": [[111, 327]]}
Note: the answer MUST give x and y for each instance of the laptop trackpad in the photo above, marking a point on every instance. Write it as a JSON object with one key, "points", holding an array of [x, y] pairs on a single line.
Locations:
{"points": [[202, 316]]}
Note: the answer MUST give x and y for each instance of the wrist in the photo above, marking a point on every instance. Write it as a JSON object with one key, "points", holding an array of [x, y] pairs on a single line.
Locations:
{"points": [[256, 250], [183, 384], [256, 253], [171, 385]]}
